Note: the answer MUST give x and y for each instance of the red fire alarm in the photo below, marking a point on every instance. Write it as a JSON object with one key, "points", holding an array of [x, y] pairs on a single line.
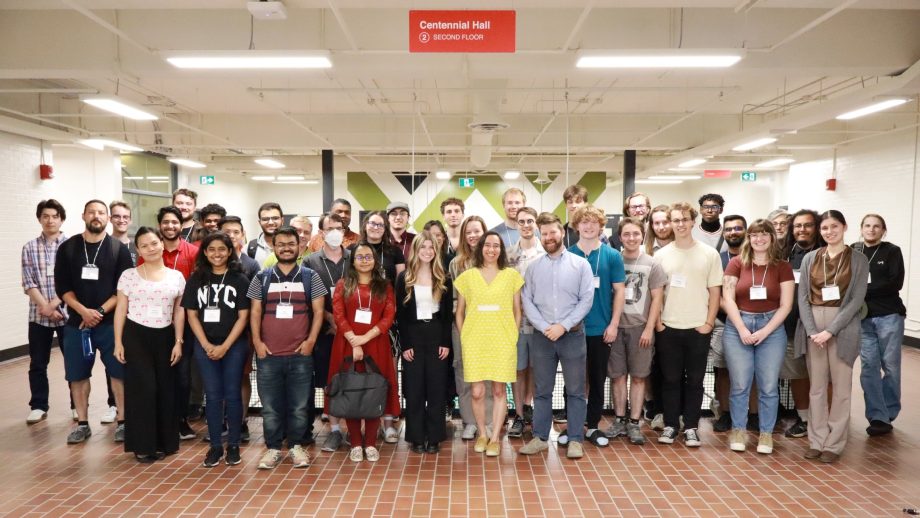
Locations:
{"points": [[831, 184], [46, 172]]}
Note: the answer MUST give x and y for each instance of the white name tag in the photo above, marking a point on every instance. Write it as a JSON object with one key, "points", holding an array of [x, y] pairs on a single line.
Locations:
{"points": [[758, 293], [488, 307], [362, 316], [797, 275], [90, 273], [49, 269], [284, 311], [212, 315], [870, 277], [597, 282], [678, 281], [331, 291], [829, 293], [155, 312], [630, 293]]}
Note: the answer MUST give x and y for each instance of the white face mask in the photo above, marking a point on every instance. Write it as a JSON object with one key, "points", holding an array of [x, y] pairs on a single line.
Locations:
{"points": [[334, 238]]}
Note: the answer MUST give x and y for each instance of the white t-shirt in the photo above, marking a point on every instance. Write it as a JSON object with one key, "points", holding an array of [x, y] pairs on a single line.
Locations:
{"points": [[150, 303], [691, 272], [709, 238]]}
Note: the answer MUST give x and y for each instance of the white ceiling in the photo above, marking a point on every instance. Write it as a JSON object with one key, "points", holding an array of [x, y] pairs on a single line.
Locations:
{"points": [[806, 62]]}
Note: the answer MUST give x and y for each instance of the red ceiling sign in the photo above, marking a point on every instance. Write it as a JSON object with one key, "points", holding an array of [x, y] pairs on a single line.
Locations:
{"points": [[462, 31], [717, 173]]}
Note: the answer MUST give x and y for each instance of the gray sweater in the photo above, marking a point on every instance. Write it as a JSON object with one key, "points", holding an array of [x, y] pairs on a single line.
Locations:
{"points": [[846, 325]]}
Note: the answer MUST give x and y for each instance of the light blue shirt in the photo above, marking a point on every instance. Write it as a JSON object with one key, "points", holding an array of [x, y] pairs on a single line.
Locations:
{"points": [[509, 235], [558, 290]]}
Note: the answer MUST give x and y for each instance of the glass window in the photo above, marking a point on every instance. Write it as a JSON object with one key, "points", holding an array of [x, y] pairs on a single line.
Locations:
{"points": [[147, 183]]}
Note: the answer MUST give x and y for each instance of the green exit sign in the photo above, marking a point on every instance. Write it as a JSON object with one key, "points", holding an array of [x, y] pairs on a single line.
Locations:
{"points": [[206, 180], [748, 176], [467, 182]]}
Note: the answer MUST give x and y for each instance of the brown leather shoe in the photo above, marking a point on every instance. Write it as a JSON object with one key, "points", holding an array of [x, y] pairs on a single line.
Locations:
{"points": [[812, 454], [829, 457]]}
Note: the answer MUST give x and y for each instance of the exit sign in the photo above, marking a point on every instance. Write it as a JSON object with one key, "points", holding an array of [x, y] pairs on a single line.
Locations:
{"points": [[206, 180], [467, 182], [748, 176]]}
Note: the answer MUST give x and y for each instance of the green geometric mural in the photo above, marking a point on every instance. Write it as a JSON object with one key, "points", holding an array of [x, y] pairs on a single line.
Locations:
{"points": [[595, 182], [366, 193]]}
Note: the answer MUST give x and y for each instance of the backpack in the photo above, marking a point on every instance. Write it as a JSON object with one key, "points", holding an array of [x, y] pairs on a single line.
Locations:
{"points": [[306, 277], [252, 248]]}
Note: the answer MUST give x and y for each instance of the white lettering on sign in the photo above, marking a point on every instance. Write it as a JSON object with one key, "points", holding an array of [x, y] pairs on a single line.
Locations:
{"points": [[455, 26]]}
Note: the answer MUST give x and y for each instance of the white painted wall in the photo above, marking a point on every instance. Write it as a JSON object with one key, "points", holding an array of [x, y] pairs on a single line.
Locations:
{"points": [[750, 199]]}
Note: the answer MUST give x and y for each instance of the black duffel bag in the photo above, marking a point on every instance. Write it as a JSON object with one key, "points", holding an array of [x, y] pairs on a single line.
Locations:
{"points": [[358, 395]]}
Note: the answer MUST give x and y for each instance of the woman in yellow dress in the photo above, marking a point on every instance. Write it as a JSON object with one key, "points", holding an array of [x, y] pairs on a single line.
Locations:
{"points": [[488, 317]]}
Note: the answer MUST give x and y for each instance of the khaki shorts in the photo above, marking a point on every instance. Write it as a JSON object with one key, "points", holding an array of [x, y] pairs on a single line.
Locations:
{"points": [[626, 357], [793, 368]]}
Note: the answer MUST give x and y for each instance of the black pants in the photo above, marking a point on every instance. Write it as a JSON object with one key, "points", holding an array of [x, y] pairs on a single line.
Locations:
{"points": [[598, 354], [150, 423], [423, 382], [655, 405], [183, 375], [683, 354], [322, 353], [40, 343]]}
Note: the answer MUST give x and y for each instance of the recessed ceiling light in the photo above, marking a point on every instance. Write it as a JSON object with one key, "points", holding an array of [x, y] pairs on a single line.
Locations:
{"points": [[269, 163], [443, 175], [775, 162], [262, 178], [512, 175], [100, 144], [693, 162], [660, 58], [659, 182], [158, 178], [872, 108], [187, 163], [249, 59], [290, 178], [675, 177], [119, 107], [754, 144]]}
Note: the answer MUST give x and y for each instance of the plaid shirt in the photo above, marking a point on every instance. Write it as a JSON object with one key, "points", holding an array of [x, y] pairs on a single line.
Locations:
{"points": [[38, 272]]}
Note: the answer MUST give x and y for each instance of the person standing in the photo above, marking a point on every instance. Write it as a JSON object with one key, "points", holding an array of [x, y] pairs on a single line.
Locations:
{"points": [[658, 235], [210, 216], [709, 231], [882, 327], [603, 320], [304, 229], [558, 294], [364, 308], [424, 311], [452, 214], [341, 208], [512, 200], [46, 310], [757, 296], [832, 287], [659, 231], [149, 323], [86, 272], [576, 197], [121, 221], [186, 201], [270, 219], [398, 219], [374, 231], [780, 220], [285, 319], [218, 313], [687, 320]]}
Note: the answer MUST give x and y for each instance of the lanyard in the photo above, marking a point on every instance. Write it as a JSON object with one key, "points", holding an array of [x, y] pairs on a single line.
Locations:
{"points": [[289, 292], [187, 235], [220, 286], [361, 304], [597, 266], [878, 247], [331, 280], [636, 261], [762, 281], [824, 258], [86, 253]]}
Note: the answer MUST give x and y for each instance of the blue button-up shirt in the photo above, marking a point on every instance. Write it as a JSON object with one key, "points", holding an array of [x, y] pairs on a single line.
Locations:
{"points": [[558, 290], [38, 257]]}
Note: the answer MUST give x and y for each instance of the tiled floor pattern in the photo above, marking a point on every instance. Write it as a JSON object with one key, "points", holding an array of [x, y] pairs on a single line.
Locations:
{"points": [[41, 476]]}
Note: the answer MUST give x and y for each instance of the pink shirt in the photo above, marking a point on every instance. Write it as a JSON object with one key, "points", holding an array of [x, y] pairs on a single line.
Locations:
{"points": [[150, 303]]}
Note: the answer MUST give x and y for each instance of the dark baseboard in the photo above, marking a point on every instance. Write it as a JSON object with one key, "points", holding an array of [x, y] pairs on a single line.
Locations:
{"points": [[912, 341], [14, 352]]}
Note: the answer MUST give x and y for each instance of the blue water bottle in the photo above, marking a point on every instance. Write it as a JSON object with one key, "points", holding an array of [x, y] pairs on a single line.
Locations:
{"points": [[86, 336]]}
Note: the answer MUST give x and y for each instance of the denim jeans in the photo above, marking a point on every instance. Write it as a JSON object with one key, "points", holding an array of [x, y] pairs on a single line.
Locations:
{"points": [[761, 361], [880, 351], [222, 379], [284, 387], [570, 350]]}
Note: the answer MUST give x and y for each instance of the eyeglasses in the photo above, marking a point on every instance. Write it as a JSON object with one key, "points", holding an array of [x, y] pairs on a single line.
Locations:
{"points": [[680, 221], [399, 214], [711, 208], [638, 207], [121, 217], [526, 221], [736, 228], [371, 224], [266, 219], [804, 225], [285, 245], [364, 258]]}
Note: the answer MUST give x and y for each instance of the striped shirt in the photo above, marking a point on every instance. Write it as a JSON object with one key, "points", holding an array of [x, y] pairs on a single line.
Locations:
{"points": [[283, 335], [38, 272]]}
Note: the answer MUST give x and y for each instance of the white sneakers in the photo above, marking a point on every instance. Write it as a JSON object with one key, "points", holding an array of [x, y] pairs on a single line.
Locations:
{"points": [[36, 415], [469, 432], [109, 416], [356, 454], [270, 459], [299, 457], [391, 435]]}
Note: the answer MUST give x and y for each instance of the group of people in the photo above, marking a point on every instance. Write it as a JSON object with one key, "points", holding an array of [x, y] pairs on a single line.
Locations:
{"points": [[467, 310]]}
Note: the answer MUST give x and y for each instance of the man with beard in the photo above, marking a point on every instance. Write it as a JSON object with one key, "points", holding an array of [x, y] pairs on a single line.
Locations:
{"points": [[179, 255], [285, 319], [342, 208], [452, 214], [186, 200], [270, 218], [709, 231], [210, 216], [557, 295], [801, 238], [512, 200], [86, 271]]}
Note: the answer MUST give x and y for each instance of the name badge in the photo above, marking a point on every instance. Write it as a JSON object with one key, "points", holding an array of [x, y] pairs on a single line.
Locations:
{"points": [[829, 293], [488, 307], [90, 273], [597, 282], [331, 291], [870, 277], [797, 275], [363, 316], [284, 311], [211, 315], [154, 312], [678, 281], [630, 293], [49, 269], [758, 293]]}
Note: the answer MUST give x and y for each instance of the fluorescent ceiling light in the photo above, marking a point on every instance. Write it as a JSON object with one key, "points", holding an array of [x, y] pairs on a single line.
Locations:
{"points": [[249, 59], [443, 175], [187, 163], [691, 163], [119, 107], [269, 163], [775, 162], [100, 144], [661, 58], [158, 178], [291, 178], [659, 182], [159, 181], [675, 177], [301, 182], [872, 108], [263, 178], [135, 178], [754, 144], [512, 175]]}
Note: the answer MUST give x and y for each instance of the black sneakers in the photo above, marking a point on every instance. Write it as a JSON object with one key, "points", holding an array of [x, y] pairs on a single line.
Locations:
{"points": [[799, 429], [213, 457], [723, 423], [877, 428], [233, 455]]}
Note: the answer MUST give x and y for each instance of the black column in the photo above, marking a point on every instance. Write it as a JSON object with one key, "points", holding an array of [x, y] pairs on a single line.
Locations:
{"points": [[629, 172], [328, 182]]}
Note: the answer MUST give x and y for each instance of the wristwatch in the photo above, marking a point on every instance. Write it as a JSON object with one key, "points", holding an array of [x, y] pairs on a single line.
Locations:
{"points": [[101, 310]]}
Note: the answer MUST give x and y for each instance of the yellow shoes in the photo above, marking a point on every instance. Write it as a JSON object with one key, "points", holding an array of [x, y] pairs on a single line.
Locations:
{"points": [[481, 443]]}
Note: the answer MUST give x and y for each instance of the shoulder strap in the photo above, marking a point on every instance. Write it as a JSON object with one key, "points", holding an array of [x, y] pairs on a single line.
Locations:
{"points": [[719, 244], [252, 248]]}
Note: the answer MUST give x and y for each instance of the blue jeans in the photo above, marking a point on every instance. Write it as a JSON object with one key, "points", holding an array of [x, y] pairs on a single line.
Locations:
{"points": [[571, 350], [284, 387], [745, 361], [880, 351], [222, 385]]}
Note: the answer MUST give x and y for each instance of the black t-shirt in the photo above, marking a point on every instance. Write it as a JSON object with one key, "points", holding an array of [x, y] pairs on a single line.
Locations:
{"points": [[249, 265], [886, 273], [796, 255], [229, 297], [111, 258]]}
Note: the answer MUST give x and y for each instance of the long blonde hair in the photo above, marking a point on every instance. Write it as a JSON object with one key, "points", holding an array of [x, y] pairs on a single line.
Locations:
{"points": [[438, 275]]}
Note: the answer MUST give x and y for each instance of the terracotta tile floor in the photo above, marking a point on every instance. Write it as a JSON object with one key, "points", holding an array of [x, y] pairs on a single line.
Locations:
{"points": [[42, 476]]}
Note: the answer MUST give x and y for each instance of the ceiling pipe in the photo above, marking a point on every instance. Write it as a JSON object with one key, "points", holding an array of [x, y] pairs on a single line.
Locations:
{"points": [[73, 4], [575, 89], [577, 27], [91, 91], [808, 27], [342, 25]]}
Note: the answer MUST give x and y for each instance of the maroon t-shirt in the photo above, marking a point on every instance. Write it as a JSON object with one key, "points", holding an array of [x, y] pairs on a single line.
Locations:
{"points": [[769, 276]]}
